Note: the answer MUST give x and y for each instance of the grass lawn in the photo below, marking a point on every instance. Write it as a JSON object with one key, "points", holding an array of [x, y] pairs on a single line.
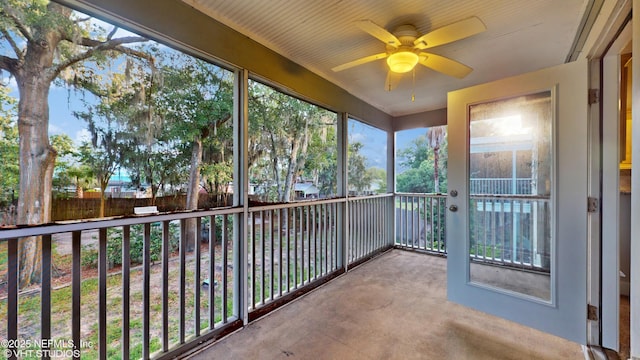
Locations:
{"points": [[61, 311]]}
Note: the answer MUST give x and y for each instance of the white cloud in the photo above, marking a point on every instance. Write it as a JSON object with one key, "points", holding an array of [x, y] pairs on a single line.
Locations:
{"points": [[55, 130], [82, 135], [357, 137]]}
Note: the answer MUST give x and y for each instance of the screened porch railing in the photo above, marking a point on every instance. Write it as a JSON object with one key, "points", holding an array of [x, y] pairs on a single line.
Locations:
{"points": [[420, 222], [152, 292], [290, 246], [178, 292], [503, 228], [369, 223], [511, 230]]}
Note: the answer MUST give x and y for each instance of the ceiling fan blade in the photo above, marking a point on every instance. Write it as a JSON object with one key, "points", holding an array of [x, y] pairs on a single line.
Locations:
{"points": [[445, 65], [392, 81], [360, 61], [378, 32], [450, 33]]}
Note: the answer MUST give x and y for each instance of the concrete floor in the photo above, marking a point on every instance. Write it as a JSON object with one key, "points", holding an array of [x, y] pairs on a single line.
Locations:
{"points": [[625, 328], [393, 307]]}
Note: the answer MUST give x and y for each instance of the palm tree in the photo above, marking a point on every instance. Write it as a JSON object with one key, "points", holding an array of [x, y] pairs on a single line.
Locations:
{"points": [[435, 137]]}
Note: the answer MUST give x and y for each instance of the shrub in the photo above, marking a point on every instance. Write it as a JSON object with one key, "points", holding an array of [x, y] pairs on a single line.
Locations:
{"points": [[136, 243], [218, 235]]}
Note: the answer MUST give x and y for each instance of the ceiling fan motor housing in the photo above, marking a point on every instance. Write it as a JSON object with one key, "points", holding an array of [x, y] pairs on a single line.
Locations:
{"points": [[407, 34], [403, 58]]}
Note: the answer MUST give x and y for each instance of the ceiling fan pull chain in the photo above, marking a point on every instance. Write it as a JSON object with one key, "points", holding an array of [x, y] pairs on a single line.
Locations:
{"points": [[413, 87]]}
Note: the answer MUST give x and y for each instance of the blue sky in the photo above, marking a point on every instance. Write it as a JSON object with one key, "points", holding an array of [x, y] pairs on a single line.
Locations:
{"points": [[374, 141]]}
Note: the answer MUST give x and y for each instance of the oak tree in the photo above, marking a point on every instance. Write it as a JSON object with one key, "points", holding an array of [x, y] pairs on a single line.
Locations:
{"points": [[44, 42]]}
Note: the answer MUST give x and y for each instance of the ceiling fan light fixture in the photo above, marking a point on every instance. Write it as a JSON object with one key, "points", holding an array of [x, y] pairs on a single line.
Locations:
{"points": [[402, 61]]}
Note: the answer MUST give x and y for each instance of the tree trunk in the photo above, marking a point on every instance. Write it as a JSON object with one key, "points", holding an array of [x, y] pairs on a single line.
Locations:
{"points": [[154, 187], [436, 173], [275, 164], [79, 191], [37, 156], [193, 190], [291, 171], [298, 147], [103, 199]]}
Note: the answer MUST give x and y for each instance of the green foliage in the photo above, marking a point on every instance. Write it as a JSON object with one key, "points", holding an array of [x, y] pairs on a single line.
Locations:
{"points": [[163, 112], [136, 245], [418, 160], [196, 101], [363, 177], [379, 178], [89, 256], [487, 251], [102, 162], [217, 175], [359, 178], [281, 130], [81, 175], [9, 147], [64, 146], [4, 255], [156, 165], [322, 160], [416, 180]]}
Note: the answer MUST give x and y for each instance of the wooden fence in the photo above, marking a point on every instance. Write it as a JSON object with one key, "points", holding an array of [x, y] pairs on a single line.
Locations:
{"points": [[74, 209]]}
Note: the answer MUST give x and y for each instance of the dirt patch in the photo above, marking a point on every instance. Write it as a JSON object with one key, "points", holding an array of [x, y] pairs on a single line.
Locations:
{"points": [[62, 242]]}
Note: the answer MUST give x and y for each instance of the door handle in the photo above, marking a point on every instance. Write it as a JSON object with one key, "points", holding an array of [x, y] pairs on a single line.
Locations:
{"points": [[453, 208]]}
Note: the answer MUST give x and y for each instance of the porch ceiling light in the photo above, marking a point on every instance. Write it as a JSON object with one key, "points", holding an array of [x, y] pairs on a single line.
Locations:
{"points": [[402, 61]]}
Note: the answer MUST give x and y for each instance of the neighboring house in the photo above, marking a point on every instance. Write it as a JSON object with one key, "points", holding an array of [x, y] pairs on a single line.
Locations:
{"points": [[306, 190], [126, 190]]}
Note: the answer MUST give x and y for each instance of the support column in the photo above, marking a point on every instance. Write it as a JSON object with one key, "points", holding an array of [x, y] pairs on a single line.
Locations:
{"points": [[343, 190], [391, 186], [240, 192]]}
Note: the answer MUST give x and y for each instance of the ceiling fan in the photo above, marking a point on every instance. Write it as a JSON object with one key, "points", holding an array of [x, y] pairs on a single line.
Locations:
{"points": [[404, 48]]}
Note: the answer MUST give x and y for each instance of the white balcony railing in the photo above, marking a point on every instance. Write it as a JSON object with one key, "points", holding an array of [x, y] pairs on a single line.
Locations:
{"points": [[509, 230], [513, 186], [420, 222]]}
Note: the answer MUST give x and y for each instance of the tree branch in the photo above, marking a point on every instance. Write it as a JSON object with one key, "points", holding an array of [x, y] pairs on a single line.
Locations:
{"points": [[14, 45], [78, 21], [96, 46], [9, 64], [19, 25], [113, 32], [222, 121], [107, 45], [135, 53]]}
